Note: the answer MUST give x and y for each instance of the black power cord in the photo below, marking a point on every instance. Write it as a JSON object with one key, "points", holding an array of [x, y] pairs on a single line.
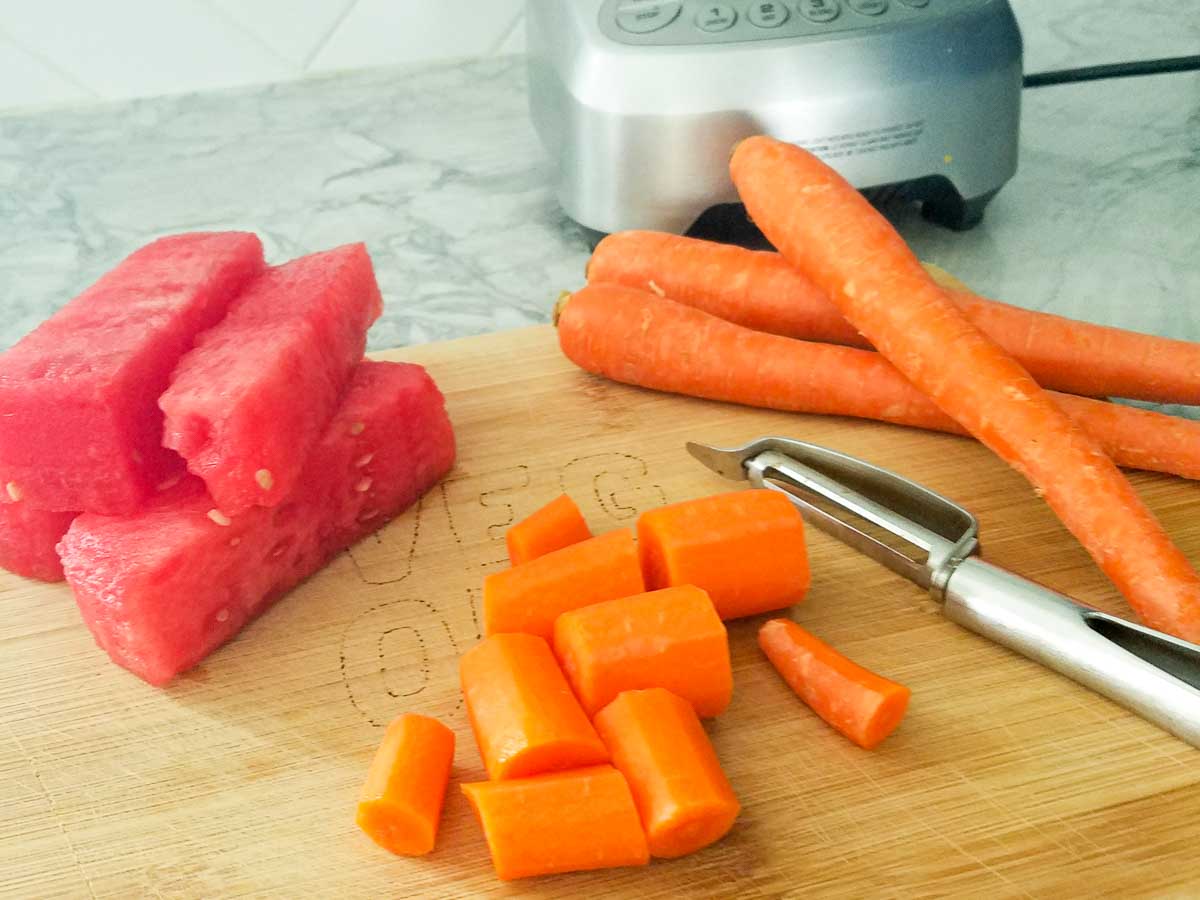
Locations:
{"points": [[1114, 70]]}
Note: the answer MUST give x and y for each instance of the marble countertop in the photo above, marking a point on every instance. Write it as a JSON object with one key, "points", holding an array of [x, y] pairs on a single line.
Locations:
{"points": [[439, 171]]}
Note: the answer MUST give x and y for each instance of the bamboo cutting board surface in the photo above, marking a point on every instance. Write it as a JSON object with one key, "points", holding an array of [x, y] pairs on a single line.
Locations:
{"points": [[241, 778]]}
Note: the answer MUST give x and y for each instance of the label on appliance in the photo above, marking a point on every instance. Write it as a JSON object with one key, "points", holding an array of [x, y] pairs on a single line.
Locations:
{"points": [[872, 140]]}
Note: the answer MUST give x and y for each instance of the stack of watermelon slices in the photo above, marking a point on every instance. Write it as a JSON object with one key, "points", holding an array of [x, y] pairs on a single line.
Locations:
{"points": [[198, 432]]}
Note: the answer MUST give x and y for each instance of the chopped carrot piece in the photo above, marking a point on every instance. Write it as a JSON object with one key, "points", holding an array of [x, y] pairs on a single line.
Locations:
{"points": [[529, 597], [863, 706], [658, 744], [561, 822], [556, 525], [401, 801], [745, 548], [671, 639], [525, 718]]}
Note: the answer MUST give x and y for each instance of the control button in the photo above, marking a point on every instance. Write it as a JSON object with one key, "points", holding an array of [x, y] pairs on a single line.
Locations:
{"points": [[868, 7], [716, 17], [642, 18], [918, 4], [770, 14], [820, 10]]}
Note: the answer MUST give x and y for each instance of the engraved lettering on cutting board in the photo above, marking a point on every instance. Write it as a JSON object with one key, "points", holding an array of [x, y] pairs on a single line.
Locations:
{"points": [[408, 647], [615, 481], [396, 651], [484, 505], [386, 557]]}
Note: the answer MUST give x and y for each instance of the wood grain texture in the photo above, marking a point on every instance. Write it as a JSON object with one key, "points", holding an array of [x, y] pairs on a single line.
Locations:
{"points": [[1005, 780]]}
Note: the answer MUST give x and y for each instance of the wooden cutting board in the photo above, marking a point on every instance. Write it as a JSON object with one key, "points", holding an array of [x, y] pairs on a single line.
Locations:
{"points": [[241, 778]]}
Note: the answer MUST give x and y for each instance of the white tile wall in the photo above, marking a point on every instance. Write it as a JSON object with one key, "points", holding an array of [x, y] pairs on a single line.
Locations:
{"points": [[67, 51]]}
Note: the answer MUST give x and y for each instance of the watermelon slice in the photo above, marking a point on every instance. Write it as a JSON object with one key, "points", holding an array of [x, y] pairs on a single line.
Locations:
{"points": [[248, 403], [162, 589], [80, 426], [27, 540]]}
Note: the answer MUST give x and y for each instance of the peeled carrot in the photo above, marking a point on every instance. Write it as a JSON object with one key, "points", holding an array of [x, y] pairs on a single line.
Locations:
{"points": [[760, 290], [754, 288], [671, 638], [562, 822], [401, 801], [684, 799], [529, 597], [863, 706], [525, 718], [825, 228], [639, 338], [745, 548], [556, 525]]}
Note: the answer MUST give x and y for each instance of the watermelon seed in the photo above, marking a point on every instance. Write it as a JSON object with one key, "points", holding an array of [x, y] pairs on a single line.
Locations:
{"points": [[223, 616], [364, 461], [169, 483], [357, 428], [265, 479], [219, 517], [14, 491], [363, 486], [234, 541]]}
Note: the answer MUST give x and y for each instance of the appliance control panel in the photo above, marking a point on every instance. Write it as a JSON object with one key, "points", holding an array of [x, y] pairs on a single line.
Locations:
{"points": [[683, 22]]}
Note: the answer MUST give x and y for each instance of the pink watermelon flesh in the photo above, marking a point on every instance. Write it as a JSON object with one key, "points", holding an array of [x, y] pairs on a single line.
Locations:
{"points": [[162, 589], [248, 403], [27, 540], [80, 426]]}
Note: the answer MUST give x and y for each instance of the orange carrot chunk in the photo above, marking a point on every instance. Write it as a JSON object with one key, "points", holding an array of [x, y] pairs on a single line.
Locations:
{"points": [[638, 337], [684, 799], [562, 822], [827, 230], [760, 290], [671, 638], [556, 525], [525, 718], [529, 597], [863, 706], [401, 801], [746, 549]]}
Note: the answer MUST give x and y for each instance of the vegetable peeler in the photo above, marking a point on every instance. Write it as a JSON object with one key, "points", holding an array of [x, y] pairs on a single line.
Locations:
{"points": [[934, 542]]}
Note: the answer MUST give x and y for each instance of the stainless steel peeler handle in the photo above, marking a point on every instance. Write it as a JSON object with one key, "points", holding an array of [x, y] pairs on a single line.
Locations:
{"points": [[1149, 673]]}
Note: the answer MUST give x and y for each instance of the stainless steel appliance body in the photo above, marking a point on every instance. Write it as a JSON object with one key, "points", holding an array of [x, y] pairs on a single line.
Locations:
{"points": [[640, 102]]}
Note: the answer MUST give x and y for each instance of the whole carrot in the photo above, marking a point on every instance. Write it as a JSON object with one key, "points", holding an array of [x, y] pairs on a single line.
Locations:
{"points": [[863, 706], [639, 338], [754, 288], [825, 228], [760, 290]]}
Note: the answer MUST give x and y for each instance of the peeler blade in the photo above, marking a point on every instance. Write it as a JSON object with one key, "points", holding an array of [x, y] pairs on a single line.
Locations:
{"points": [[909, 528], [729, 464]]}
